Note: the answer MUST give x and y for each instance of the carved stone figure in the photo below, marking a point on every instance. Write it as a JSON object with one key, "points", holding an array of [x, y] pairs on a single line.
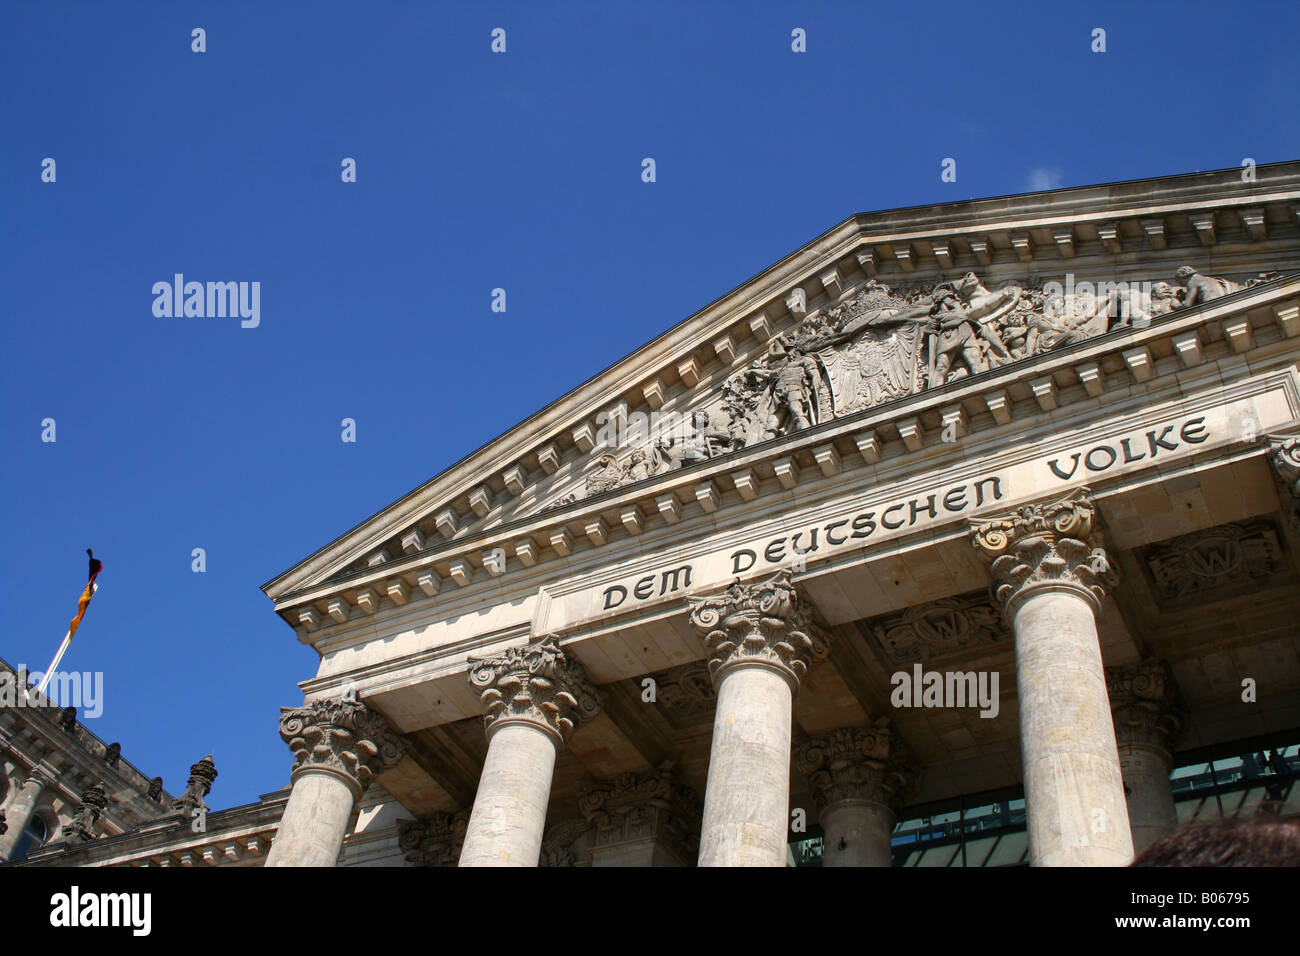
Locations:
{"points": [[202, 774], [797, 385], [1202, 288], [82, 827], [1164, 299], [696, 443], [989, 309]]}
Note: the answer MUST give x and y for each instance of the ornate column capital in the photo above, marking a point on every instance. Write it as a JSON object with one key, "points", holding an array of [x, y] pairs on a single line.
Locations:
{"points": [[535, 684], [1146, 705], [340, 736], [82, 827], [766, 623], [867, 763], [1284, 456], [639, 806], [435, 840], [1054, 545], [40, 779]]}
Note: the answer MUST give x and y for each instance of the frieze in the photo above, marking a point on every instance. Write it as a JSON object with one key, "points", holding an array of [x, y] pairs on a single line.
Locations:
{"points": [[937, 629], [566, 844], [435, 841], [1215, 563], [855, 523], [685, 693]]}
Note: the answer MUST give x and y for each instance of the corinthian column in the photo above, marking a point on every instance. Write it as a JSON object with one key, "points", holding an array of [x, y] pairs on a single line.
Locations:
{"points": [[1149, 717], [1284, 456], [534, 697], [21, 810], [859, 778], [758, 653], [1049, 573], [339, 745]]}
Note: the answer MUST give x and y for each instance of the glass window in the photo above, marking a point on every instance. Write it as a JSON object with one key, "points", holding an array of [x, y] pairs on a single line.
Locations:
{"points": [[1012, 848], [34, 836]]}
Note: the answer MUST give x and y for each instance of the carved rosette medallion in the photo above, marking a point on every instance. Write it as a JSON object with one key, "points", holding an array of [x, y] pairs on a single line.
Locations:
{"points": [[341, 736], [1048, 546], [1146, 705], [766, 623], [858, 763], [651, 805], [435, 841], [1284, 456], [82, 827], [535, 684]]}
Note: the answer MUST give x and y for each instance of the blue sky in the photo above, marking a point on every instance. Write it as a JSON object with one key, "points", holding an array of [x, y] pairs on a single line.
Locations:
{"points": [[474, 171]]}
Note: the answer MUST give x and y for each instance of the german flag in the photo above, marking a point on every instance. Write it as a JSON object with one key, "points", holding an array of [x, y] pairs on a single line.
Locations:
{"points": [[95, 567]]}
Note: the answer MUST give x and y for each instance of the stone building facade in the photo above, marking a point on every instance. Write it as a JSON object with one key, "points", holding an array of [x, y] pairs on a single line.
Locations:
{"points": [[985, 506]]}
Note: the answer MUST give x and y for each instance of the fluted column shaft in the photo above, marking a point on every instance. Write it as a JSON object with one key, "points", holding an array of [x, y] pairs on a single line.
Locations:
{"points": [[19, 813], [1149, 716], [340, 744], [747, 798], [759, 652], [1050, 573], [534, 697]]}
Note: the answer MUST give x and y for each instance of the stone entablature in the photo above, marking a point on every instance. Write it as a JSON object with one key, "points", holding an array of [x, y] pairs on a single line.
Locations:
{"points": [[33, 737], [240, 836], [1212, 415], [1074, 373], [1171, 222]]}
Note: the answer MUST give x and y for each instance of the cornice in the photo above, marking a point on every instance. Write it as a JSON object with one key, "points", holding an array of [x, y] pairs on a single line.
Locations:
{"points": [[733, 327], [1082, 364]]}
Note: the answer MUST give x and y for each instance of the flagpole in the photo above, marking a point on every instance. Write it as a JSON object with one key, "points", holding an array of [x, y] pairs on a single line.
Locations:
{"points": [[63, 648]]}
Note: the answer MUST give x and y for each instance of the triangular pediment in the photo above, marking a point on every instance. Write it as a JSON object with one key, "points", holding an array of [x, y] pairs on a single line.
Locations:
{"points": [[882, 307]]}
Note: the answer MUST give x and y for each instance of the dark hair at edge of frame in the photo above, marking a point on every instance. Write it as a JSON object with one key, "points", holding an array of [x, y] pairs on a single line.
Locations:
{"points": [[1268, 836]]}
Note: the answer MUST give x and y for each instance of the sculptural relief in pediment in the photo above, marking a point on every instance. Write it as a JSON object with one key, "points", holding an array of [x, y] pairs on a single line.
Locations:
{"points": [[885, 343]]}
